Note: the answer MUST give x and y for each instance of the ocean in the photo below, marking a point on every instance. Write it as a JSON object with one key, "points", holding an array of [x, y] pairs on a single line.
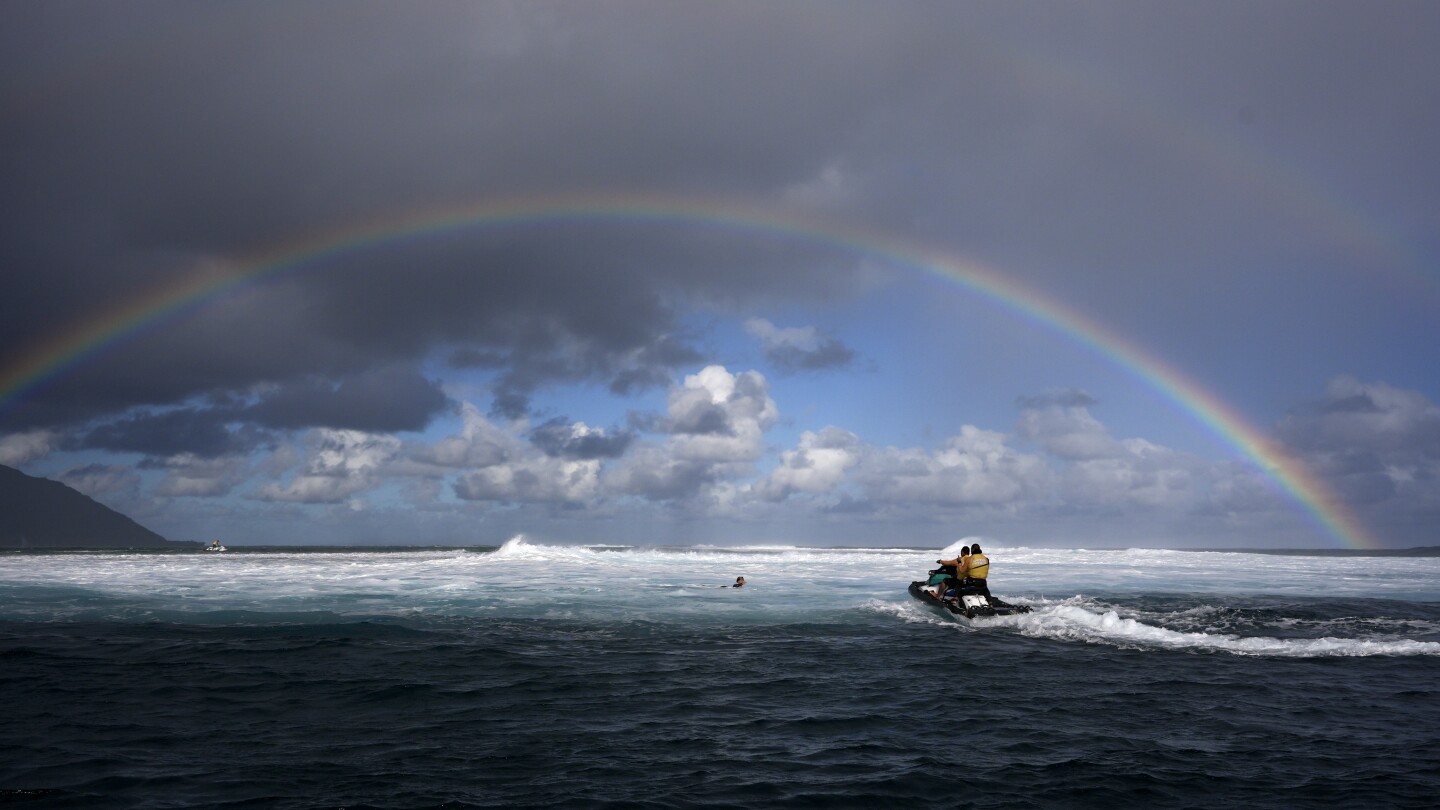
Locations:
{"points": [[626, 677]]}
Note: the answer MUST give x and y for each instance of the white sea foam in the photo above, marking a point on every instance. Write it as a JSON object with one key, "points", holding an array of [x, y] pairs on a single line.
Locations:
{"points": [[1072, 622], [1103, 597]]}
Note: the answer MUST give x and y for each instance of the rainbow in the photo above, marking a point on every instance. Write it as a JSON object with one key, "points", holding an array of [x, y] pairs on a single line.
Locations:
{"points": [[156, 308]]}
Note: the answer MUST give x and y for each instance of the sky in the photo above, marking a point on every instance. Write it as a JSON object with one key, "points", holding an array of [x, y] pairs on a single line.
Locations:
{"points": [[1053, 274]]}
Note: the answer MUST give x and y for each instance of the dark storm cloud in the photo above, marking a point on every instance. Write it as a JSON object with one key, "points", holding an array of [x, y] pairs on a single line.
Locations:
{"points": [[558, 437], [650, 366], [187, 430], [385, 400], [136, 151], [476, 358], [1371, 420], [144, 142], [1378, 447]]}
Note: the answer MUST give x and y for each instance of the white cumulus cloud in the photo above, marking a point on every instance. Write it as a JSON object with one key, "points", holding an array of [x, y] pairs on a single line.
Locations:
{"points": [[973, 467], [22, 448], [817, 464], [341, 463], [190, 476], [716, 423]]}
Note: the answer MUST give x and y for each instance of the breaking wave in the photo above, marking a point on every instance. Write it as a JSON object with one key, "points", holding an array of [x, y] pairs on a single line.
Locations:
{"points": [[1135, 599]]}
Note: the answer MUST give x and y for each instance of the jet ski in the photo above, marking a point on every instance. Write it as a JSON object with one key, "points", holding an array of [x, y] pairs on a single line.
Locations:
{"points": [[216, 548], [969, 605]]}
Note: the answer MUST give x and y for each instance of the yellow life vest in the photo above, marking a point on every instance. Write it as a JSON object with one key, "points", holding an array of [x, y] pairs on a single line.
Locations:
{"points": [[979, 566]]}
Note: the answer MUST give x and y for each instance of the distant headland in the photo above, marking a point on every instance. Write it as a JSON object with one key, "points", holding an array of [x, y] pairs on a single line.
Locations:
{"points": [[40, 513]]}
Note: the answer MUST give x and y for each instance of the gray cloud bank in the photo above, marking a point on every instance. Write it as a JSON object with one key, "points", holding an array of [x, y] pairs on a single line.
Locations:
{"points": [[1098, 150], [143, 142]]}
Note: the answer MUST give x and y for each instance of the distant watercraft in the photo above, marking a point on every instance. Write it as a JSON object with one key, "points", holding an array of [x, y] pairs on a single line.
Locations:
{"points": [[970, 605], [216, 548]]}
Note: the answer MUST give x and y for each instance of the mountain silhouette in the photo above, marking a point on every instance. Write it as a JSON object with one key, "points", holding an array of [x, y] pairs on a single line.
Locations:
{"points": [[40, 513]]}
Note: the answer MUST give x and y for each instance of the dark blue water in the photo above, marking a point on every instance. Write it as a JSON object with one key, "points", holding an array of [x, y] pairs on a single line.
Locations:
{"points": [[863, 711]]}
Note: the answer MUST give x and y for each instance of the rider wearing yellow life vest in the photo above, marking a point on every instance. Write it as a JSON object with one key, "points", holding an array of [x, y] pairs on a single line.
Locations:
{"points": [[976, 571]]}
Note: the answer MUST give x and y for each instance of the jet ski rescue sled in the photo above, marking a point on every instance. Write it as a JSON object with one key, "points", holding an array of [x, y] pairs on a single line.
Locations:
{"points": [[970, 605]]}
